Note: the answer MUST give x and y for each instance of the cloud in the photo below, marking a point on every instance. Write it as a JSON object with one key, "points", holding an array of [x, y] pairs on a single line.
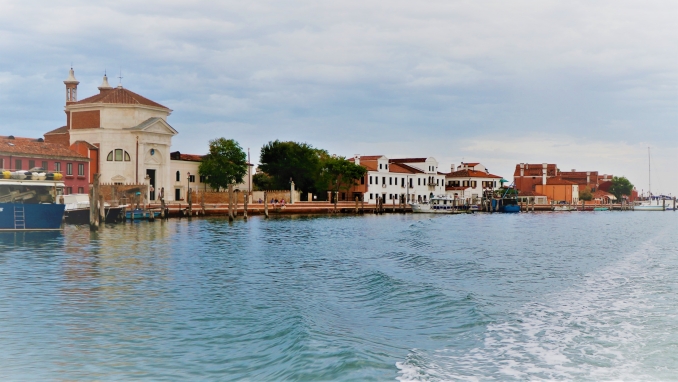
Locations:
{"points": [[352, 75]]}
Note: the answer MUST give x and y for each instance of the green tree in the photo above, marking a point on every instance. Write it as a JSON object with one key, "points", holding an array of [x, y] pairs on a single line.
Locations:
{"points": [[225, 164], [620, 187], [299, 162], [262, 181], [585, 194], [338, 173]]}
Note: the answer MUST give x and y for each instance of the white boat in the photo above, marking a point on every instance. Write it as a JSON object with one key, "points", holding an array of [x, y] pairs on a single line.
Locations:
{"points": [[438, 205], [647, 205], [563, 207]]}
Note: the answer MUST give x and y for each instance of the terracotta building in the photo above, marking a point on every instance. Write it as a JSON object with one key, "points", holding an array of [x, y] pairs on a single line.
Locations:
{"points": [[18, 153]]}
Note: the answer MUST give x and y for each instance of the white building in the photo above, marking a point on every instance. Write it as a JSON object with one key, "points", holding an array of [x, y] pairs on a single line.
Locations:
{"points": [[467, 182], [395, 180], [133, 139]]}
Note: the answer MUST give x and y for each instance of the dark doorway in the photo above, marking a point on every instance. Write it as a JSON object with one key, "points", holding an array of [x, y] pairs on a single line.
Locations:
{"points": [[151, 173], [177, 194]]}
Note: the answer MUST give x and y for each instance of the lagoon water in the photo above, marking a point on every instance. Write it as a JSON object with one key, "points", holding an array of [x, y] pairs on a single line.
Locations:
{"points": [[558, 296]]}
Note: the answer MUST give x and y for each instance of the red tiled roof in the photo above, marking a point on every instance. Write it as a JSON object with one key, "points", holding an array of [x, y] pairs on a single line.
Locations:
{"points": [[558, 181], [401, 168], [370, 166], [407, 160], [89, 145], [599, 194], [120, 96], [369, 157], [410, 169], [190, 157], [534, 169], [470, 164], [470, 174], [60, 130], [32, 147]]}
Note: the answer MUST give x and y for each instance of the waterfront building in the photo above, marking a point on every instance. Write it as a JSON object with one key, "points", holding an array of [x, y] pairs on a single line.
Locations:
{"points": [[527, 175], [468, 181], [558, 190], [396, 180], [128, 140], [17, 153]]}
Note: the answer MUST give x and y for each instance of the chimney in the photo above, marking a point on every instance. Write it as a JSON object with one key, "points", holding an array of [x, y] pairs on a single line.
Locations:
{"points": [[356, 159], [452, 167], [543, 173], [588, 177], [522, 169]]}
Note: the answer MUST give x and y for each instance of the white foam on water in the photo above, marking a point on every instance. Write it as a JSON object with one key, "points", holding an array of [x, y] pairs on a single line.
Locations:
{"points": [[593, 330]]}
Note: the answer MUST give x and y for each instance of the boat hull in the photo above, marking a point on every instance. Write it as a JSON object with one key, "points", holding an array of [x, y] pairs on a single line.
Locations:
{"points": [[81, 215], [36, 216], [648, 208]]}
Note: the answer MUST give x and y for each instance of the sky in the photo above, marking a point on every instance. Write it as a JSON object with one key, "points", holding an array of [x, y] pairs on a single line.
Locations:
{"points": [[588, 85]]}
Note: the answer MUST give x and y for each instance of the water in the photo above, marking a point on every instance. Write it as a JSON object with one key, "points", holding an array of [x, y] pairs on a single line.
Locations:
{"points": [[568, 296]]}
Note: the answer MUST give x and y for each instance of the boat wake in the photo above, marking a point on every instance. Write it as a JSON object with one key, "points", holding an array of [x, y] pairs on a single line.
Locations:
{"points": [[594, 330]]}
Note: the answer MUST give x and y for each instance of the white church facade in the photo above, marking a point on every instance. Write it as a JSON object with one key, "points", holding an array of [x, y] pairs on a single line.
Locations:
{"points": [[132, 137]]}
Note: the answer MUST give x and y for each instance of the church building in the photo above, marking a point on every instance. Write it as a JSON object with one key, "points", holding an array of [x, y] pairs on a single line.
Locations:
{"points": [[127, 138]]}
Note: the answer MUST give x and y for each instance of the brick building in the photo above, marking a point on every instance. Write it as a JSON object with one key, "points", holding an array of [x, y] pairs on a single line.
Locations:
{"points": [[18, 153]]}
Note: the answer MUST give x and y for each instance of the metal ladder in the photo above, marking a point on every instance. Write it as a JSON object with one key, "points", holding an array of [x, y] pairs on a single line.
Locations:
{"points": [[19, 217]]}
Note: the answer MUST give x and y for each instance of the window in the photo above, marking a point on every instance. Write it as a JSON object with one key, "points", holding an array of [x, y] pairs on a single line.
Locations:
{"points": [[81, 170], [370, 180], [57, 166], [44, 165], [418, 181], [380, 166], [362, 180], [178, 176], [371, 196], [191, 179], [81, 190], [2, 163], [383, 180], [386, 166], [18, 164], [411, 183], [390, 181], [31, 164], [119, 154], [437, 180], [69, 168], [69, 190], [402, 182], [390, 196], [203, 179]]}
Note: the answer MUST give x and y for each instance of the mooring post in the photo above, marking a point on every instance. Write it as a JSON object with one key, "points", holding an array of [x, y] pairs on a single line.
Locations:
{"points": [[230, 202], [244, 214], [356, 204], [93, 204], [102, 211], [266, 204], [189, 196], [362, 205]]}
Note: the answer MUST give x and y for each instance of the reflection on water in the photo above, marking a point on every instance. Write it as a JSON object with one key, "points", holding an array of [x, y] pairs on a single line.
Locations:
{"points": [[412, 297]]}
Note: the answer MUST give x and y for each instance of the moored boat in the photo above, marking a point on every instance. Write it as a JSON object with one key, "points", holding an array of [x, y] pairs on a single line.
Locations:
{"points": [[27, 204], [443, 204]]}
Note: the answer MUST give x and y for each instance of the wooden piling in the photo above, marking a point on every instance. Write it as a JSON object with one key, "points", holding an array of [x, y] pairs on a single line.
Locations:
{"points": [[266, 204], [230, 202], [247, 196], [190, 202], [102, 211], [356, 204], [93, 204]]}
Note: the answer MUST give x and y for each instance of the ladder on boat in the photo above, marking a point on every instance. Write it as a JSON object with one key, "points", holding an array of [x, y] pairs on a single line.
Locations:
{"points": [[19, 217]]}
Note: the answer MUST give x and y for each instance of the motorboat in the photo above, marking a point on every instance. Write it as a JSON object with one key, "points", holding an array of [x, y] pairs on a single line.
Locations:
{"points": [[30, 205], [442, 204], [77, 210]]}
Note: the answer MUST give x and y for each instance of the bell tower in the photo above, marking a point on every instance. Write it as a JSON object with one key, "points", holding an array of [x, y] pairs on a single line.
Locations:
{"points": [[71, 88]]}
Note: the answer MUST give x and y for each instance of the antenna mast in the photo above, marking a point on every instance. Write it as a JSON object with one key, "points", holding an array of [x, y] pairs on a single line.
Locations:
{"points": [[649, 174]]}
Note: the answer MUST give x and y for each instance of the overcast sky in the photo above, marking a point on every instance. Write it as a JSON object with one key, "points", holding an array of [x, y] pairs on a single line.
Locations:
{"points": [[588, 85]]}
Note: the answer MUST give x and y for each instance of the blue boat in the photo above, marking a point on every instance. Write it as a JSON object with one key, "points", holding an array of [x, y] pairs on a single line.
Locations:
{"points": [[140, 214], [30, 205], [507, 203]]}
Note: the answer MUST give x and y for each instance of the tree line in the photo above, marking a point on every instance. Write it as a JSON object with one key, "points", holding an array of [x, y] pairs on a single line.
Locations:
{"points": [[311, 169]]}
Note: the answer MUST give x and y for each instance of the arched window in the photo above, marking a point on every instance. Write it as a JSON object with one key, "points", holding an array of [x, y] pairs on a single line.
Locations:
{"points": [[118, 155], [178, 176]]}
